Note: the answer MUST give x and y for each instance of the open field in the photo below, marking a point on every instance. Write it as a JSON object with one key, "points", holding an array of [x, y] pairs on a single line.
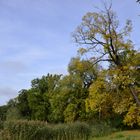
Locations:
{"points": [[123, 135]]}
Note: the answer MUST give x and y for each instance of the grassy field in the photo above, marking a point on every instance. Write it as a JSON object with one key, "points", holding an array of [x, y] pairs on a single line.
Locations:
{"points": [[124, 135]]}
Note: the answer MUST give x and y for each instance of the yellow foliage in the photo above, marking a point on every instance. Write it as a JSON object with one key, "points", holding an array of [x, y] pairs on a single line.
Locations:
{"points": [[133, 116]]}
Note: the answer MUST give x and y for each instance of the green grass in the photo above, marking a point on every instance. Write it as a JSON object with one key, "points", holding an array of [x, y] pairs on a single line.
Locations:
{"points": [[123, 135]]}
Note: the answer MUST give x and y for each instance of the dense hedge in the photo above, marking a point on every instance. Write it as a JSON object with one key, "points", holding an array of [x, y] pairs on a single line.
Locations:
{"points": [[36, 130]]}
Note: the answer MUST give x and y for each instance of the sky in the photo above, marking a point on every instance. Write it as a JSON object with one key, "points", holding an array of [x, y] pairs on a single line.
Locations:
{"points": [[35, 37]]}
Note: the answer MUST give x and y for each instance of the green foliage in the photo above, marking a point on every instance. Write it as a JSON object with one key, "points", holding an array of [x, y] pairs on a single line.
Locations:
{"points": [[83, 69], [101, 129], [13, 114], [68, 104], [70, 113], [3, 111], [39, 105], [1, 125], [39, 96], [23, 104]]}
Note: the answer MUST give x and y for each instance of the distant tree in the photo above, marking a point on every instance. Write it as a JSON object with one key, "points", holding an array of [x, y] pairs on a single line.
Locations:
{"points": [[69, 103], [84, 69], [40, 94], [23, 104], [13, 112], [3, 111]]}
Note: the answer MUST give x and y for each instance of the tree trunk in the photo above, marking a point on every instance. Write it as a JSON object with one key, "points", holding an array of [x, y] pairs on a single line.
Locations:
{"points": [[133, 92]]}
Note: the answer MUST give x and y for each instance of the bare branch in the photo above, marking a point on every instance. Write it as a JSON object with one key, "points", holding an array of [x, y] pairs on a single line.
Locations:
{"points": [[101, 60]]}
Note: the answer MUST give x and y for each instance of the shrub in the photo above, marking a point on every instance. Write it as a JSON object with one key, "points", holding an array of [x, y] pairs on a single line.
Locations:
{"points": [[101, 129]]}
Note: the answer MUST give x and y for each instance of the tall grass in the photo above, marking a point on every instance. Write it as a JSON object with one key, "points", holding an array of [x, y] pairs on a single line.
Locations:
{"points": [[36, 130], [75, 131], [22, 130]]}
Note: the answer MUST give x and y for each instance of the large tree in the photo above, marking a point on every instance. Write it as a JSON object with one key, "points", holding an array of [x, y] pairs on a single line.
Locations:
{"points": [[40, 94], [104, 41], [69, 104]]}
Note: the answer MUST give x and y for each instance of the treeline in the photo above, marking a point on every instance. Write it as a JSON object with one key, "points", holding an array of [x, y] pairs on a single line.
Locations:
{"points": [[55, 98], [102, 84]]}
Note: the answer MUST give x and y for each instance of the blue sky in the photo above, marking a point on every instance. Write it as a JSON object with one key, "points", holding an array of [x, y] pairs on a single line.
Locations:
{"points": [[35, 37]]}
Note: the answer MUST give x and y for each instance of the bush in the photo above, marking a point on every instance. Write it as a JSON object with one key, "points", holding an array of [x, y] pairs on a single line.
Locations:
{"points": [[101, 129]]}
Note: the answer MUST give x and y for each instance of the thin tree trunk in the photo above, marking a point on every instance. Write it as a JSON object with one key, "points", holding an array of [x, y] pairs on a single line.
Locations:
{"points": [[133, 92]]}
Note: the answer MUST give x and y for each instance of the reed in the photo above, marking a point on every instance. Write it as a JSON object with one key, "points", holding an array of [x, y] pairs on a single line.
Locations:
{"points": [[73, 131], [22, 129], [36, 130]]}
